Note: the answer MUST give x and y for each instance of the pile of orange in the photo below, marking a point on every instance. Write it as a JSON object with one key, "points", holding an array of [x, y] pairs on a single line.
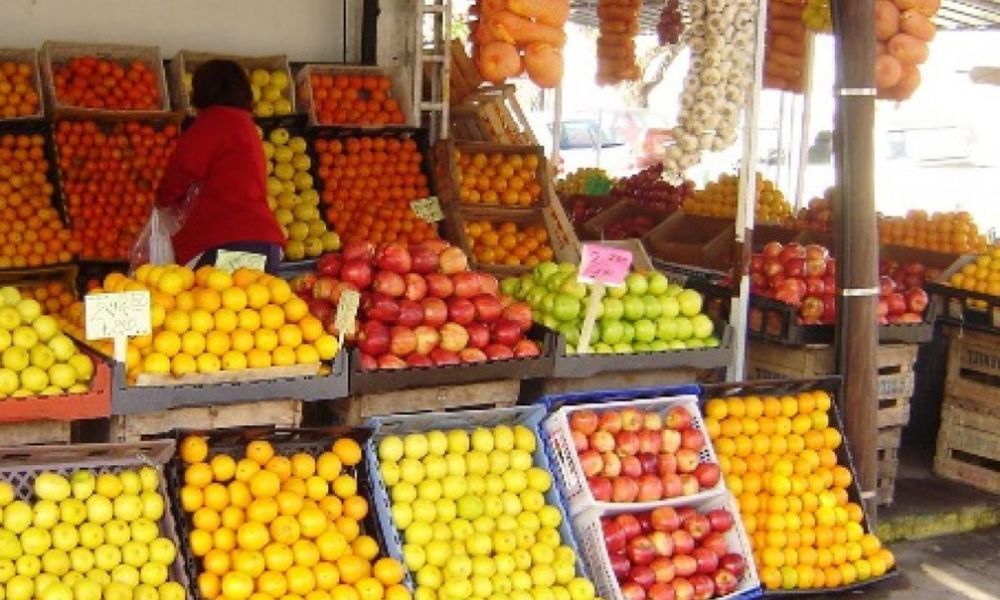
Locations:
{"points": [[368, 184], [208, 320], [354, 99], [56, 297], [719, 199], [497, 179], [267, 526], [951, 232], [778, 455], [507, 244], [18, 97], [31, 231]]}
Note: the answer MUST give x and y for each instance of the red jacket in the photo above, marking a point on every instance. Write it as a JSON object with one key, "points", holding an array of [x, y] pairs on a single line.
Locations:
{"points": [[223, 155]]}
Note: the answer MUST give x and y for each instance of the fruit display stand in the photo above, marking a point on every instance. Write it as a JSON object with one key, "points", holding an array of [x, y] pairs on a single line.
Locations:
{"points": [[26, 56], [461, 216], [447, 171], [184, 63], [560, 436], [55, 53], [789, 389], [692, 240], [493, 115], [602, 226], [896, 380], [20, 465], [529, 417], [966, 307], [399, 92], [968, 445], [284, 443]]}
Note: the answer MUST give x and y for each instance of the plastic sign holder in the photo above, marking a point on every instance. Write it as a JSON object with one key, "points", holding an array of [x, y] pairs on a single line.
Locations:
{"points": [[118, 316]]}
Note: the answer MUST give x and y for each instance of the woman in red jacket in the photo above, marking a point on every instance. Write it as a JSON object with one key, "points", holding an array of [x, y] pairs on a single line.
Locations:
{"points": [[218, 166]]}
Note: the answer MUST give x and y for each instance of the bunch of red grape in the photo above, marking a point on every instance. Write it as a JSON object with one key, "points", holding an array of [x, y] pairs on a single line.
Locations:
{"points": [[671, 24]]}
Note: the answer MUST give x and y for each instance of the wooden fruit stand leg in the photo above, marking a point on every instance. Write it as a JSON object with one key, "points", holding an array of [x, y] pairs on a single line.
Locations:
{"points": [[355, 410], [278, 413]]}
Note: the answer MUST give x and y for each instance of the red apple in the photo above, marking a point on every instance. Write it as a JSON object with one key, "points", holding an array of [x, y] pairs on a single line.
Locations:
{"points": [[368, 362], [689, 484], [498, 352], [725, 582], [773, 267], [520, 313], [466, 284], [716, 542], [472, 355], [380, 307], [649, 463], [812, 308], [815, 267], [698, 526], [461, 310], [661, 591], [321, 309], [692, 439], [624, 489], [614, 535], [830, 308], [590, 461], [303, 284], [580, 442], [663, 567], [488, 284], [419, 361], [772, 250], [423, 259], [411, 313], [611, 421], [631, 467], [391, 361], [435, 312], [505, 332], [666, 464], [358, 250], [627, 442], [815, 286], [683, 542], [402, 340], [678, 418], [683, 590], [479, 335], [663, 543], [687, 460], [671, 439], [733, 562], [916, 300], [373, 338], [684, 564], [612, 464], [897, 303], [706, 559], [454, 337], [600, 487], [439, 286], [416, 286], [620, 565], [703, 586], [652, 421], [442, 357], [642, 575], [527, 349], [487, 308], [393, 257], [650, 488], [795, 267], [708, 475], [630, 525], [720, 519], [672, 486], [886, 286], [389, 283], [322, 287], [453, 260], [329, 265], [632, 591], [665, 518], [602, 441], [650, 441], [640, 550], [584, 421], [685, 513], [631, 419]]}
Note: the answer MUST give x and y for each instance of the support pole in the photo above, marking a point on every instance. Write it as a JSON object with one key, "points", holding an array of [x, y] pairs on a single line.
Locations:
{"points": [[856, 234]]}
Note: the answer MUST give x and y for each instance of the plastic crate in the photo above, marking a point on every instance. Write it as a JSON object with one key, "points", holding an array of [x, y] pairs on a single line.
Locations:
{"points": [[595, 552], [19, 466], [95, 403], [27, 56], [530, 417], [567, 463], [286, 442]]}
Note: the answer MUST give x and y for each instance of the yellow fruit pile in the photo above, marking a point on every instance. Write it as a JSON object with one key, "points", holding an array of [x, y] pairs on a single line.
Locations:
{"points": [[270, 95], [778, 457], [982, 275], [719, 199], [87, 537], [293, 198], [268, 526], [56, 298], [471, 510], [209, 320], [36, 357], [951, 232], [497, 179]]}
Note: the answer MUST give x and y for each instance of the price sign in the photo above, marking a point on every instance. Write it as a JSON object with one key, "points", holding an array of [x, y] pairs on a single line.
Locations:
{"points": [[117, 316], [428, 209], [596, 186], [229, 260], [604, 264], [347, 312]]}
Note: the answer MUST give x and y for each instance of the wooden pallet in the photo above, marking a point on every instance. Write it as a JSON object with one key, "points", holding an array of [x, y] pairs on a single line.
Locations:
{"points": [[974, 365], [463, 77], [896, 377], [279, 413], [887, 449], [968, 446], [491, 115], [35, 432], [490, 394]]}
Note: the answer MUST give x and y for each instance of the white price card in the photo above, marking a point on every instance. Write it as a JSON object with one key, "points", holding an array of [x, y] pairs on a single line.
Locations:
{"points": [[347, 311], [230, 260], [118, 315], [428, 209]]}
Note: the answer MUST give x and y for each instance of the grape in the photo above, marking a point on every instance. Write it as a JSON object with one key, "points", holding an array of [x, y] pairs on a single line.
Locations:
{"points": [[671, 24]]}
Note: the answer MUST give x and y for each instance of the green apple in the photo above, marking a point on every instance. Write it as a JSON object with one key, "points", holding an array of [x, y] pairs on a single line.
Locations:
{"points": [[170, 590], [574, 288], [525, 439], [20, 587], [91, 535], [15, 358], [57, 591], [437, 443], [144, 530], [456, 462], [454, 487], [131, 484], [34, 379], [570, 331], [566, 308], [613, 309], [524, 289], [46, 327], [690, 302], [503, 437], [645, 330], [35, 541], [9, 382], [634, 307], [536, 296], [603, 348], [628, 332], [127, 507], [56, 562], [494, 482], [82, 484], [29, 309], [476, 483], [702, 326], [81, 559], [657, 282], [24, 337], [28, 564], [458, 441], [669, 307], [402, 515], [62, 376], [674, 290], [117, 532], [415, 446], [435, 467], [83, 365], [694, 344], [86, 589], [150, 479], [116, 590], [637, 284], [677, 345], [659, 345], [65, 537], [652, 308], [511, 503], [415, 557], [616, 291], [509, 285], [145, 591], [100, 576], [684, 328], [544, 270], [447, 509], [10, 319], [17, 516], [623, 348], [612, 332], [642, 346], [470, 507], [555, 282], [712, 342], [666, 328], [62, 346], [134, 554], [52, 488]]}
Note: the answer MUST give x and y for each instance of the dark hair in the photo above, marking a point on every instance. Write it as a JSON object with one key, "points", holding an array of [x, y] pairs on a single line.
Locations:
{"points": [[221, 82]]}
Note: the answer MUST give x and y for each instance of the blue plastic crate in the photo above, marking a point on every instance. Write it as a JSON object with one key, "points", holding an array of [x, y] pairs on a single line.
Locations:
{"points": [[554, 401], [528, 416]]}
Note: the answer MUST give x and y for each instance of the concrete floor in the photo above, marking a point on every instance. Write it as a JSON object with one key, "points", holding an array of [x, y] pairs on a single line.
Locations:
{"points": [[961, 567]]}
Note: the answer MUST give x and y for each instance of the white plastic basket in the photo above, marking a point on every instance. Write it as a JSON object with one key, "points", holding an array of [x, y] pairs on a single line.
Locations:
{"points": [[594, 551], [569, 472]]}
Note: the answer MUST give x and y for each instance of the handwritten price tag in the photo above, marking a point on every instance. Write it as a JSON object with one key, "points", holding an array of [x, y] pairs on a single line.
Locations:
{"points": [[124, 314], [603, 264], [347, 312], [428, 209], [228, 260]]}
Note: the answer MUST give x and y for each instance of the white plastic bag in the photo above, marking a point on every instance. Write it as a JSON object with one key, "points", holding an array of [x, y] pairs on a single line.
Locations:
{"points": [[154, 246]]}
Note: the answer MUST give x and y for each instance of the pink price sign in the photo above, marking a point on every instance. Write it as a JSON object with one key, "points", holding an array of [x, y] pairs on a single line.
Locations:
{"points": [[603, 264]]}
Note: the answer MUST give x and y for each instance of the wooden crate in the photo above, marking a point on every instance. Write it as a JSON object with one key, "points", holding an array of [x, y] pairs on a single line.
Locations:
{"points": [[491, 115], [887, 453], [490, 394], [36, 432], [277, 413], [974, 365], [968, 445], [399, 92], [766, 360], [27, 56], [463, 77], [186, 61]]}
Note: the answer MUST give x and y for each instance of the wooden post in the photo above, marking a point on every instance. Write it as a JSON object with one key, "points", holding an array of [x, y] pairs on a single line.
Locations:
{"points": [[856, 234]]}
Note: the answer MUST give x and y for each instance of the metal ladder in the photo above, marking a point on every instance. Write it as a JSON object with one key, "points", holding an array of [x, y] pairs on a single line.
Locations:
{"points": [[433, 51]]}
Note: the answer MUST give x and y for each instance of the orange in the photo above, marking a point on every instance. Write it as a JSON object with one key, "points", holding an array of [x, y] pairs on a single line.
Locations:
{"points": [[194, 449], [289, 503], [303, 465], [216, 561], [237, 586], [278, 557], [348, 450], [295, 486], [331, 545], [345, 486], [355, 507], [348, 527], [332, 506], [285, 529], [301, 580], [366, 547], [317, 488], [353, 569], [206, 519], [369, 588], [264, 484], [250, 562], [239, 494], [224, 538], [262, 510], [209, 585], [260, 451], [201, 542], [216, 496], [305, 553], [329, 466], [280, 466], [252, 535], [327, 576], [192, 498], [272, 583], [313, 522], [841, 476]]}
